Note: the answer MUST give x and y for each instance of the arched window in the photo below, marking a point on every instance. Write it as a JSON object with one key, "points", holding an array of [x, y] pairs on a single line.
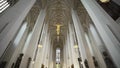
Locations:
{"points": [[58, 58], [3, 5], [58, 55]]}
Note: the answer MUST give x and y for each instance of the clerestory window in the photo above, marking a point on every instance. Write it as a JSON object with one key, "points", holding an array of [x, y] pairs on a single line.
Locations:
{"points": [[4, 4]]}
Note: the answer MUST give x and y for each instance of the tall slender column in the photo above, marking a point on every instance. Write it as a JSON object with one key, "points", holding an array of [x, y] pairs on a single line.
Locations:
{"points": [[81, 39], [45, 45], [30, 52], [41, 54], [97, 38], [61, 58], [67, 55], [107, 28], [97, 12], [74, 59], [42, 42], [69, 51], [46, 52], [96, 51], [50, 57], [54, 57], [38, 58], [65, 60]]}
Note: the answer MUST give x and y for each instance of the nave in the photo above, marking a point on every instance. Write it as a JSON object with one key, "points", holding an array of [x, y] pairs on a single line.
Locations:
{"points": [[59, 34]]}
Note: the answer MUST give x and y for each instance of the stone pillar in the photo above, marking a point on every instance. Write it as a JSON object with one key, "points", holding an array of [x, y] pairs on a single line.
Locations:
{"points": [[96, 51], [97, 38], [42, 42], [50, 57], [38, 59], [45, 45], [81, 40], [65, 61], [48, 54], [108, 29], [61, 57], [73, 55], [30, 52], [89, 45], [46, 51], [67, 55], [69, 51], [54, 57]]}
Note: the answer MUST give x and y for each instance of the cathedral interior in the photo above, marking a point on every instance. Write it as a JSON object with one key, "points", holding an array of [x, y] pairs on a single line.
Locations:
{"points": [[59, 33]]}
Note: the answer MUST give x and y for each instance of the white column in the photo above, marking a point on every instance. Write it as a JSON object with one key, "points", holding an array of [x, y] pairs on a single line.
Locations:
{"points": [[69, 51], [48, 54], [37, 60], [96, 51], [81, 40], [54, 57], [101, 21], [40, 53], [73, 55], [12, 20], [30, 52], [97, 38], [50, 57], [63, 57], [67, 55], [65, 60], [89, 45], [45, 45], [46, 51], [99, 15]]}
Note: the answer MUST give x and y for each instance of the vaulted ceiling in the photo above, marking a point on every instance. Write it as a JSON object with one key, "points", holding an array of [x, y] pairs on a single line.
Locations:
{"points": [[58, 13], [58, 17]]}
